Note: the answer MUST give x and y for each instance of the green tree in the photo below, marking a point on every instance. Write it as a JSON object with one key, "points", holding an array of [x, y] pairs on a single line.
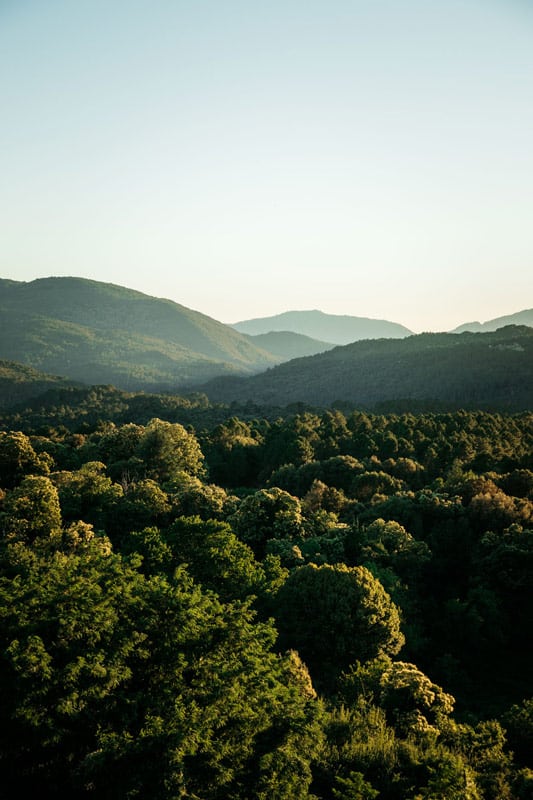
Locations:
{"points": [[168, 449], [18, 459], [389, 545], [31, 510], [354, 787], [334, 616], [86, 493], [143, 504], [414, 703], [267, 514], [115, 685], [190, 497], [217, 559]]}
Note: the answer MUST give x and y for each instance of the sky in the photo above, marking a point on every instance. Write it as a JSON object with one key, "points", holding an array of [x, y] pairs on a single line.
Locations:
{"points": [[364, 157]]}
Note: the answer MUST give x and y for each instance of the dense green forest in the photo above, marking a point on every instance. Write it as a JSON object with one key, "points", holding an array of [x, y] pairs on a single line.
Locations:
{"points": [[222, 602]]}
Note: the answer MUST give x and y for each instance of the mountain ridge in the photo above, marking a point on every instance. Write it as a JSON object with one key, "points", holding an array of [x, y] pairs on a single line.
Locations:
{"points": [[485, 370], [104, 333], [287, 345], [524, 317], [334, 328]]}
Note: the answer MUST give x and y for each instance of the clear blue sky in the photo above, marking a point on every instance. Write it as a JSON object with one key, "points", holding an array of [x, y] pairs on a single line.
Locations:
{"points": [[367, 157]]}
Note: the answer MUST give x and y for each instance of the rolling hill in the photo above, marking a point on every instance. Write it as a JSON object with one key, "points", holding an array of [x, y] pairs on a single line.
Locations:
{"points": [[334, 328], [101, 333], [285, 345], [19, 383], [470, 370]]}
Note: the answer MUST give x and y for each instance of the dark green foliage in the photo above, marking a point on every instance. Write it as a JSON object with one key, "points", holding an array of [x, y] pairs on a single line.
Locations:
{"points": [[20, 383], [435, 370], [31, 511], [132, 664], [115, 684], [389, 545], [335, 616], [87, 493], [217, 559], [518, 723], [268, 514], [18, 458]]}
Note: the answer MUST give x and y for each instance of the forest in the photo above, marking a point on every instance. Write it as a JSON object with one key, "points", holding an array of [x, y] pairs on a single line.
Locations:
{"points": [[233, 602]]}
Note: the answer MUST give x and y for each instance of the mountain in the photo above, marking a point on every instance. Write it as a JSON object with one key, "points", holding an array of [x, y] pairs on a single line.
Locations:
{"points": [[519, 318], [102, 333], [471, 370], [285, 345], [324, 327], [19, 383]]}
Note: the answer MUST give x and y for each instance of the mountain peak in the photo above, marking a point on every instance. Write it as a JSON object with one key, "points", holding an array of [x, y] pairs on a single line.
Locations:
{"points": [[334, 328]]}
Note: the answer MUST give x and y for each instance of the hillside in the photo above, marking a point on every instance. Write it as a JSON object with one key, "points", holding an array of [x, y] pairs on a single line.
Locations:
{"points": [[490, 370], [101, 333], [285, 345], [338, 329], [519, 318], [19, 383]]}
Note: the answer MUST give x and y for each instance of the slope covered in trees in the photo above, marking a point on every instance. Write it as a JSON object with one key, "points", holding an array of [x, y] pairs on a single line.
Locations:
{"points": [[285, 345], [492, 370], [101, 333], [306, 606], [19, 383]]}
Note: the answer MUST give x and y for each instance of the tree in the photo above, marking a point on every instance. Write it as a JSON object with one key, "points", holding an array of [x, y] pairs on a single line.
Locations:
{"points": [[144, 503], [191, 497], [168, 449], [354, 787], [86, 493], [18, 458], [114, 684], [334, 616], [414, 703], [31, 510], [216, 558], [389, 545], [267, 514]]}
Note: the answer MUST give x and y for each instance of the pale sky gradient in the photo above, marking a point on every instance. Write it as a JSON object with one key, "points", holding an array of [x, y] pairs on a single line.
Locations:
{"points": [[243, 158]]}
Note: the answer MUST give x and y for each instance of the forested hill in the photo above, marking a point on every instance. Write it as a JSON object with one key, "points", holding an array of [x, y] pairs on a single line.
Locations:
{"points": [[473, 370], [286, 344], [339, 329], [19, 383], [101, 333]]}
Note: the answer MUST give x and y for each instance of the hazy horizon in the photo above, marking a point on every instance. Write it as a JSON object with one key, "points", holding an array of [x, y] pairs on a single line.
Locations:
{"points": [[364, 158], [283, 310]]}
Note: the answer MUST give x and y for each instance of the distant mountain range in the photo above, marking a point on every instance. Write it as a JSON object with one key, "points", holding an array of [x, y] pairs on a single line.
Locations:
{"points": [[471, 370], [520, 318], [337, 329], [99, 333]]}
